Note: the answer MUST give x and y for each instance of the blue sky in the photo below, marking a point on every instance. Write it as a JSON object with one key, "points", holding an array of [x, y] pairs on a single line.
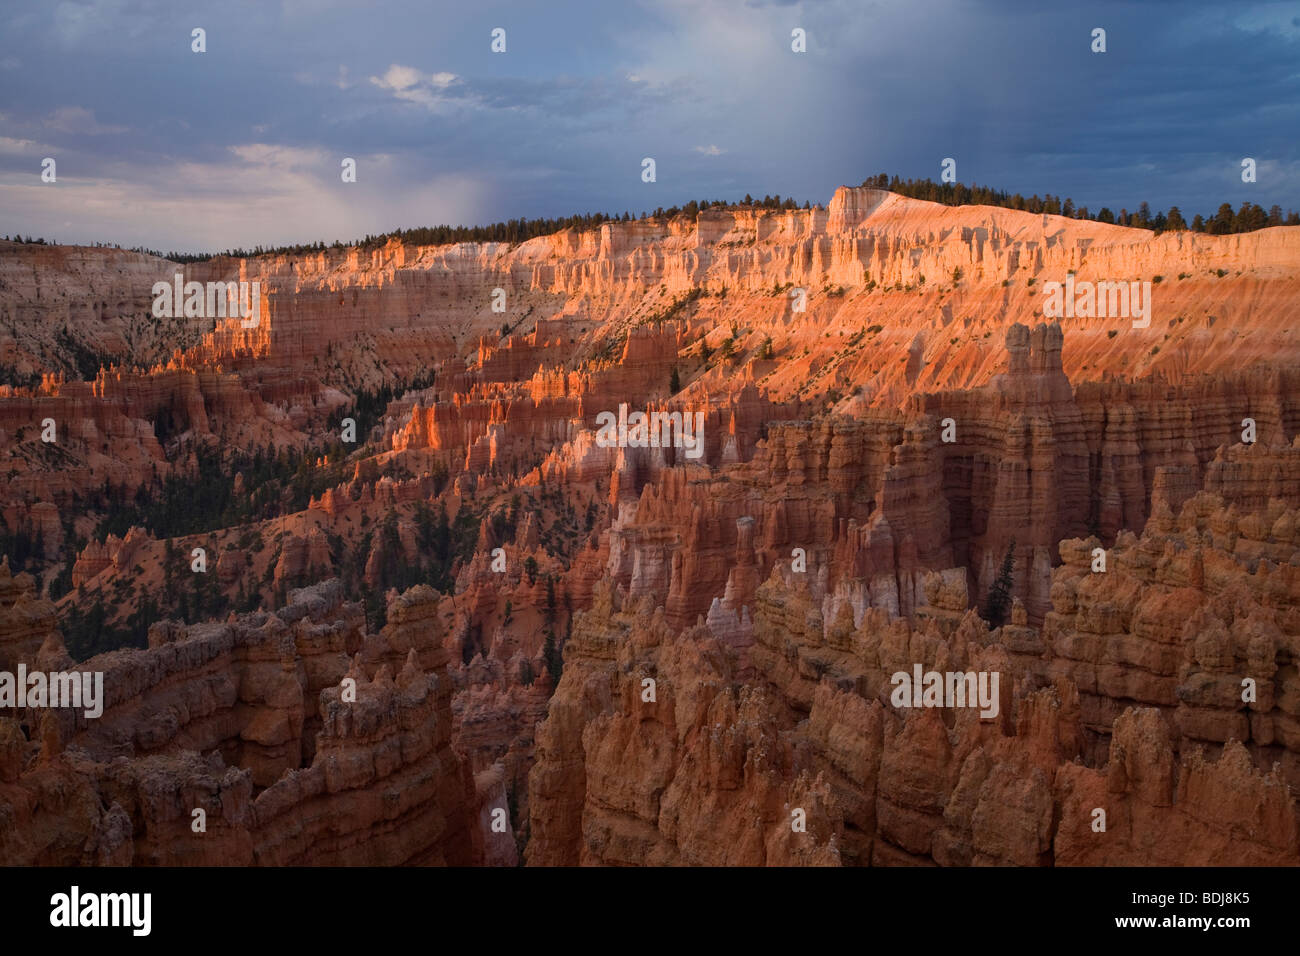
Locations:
{"points": [[241, 145]]}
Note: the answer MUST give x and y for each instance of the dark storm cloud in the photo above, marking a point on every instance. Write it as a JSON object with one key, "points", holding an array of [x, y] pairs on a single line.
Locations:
{"points": [[241, 145]]}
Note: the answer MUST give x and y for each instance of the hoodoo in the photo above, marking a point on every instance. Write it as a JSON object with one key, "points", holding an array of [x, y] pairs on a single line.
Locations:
{"points": [[444, 547]]}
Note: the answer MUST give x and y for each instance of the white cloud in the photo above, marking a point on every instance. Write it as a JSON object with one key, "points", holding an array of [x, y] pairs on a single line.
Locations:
{"points": [[409, 84], [78, 119], [709, 150], [398, 77], [280, 158], [17, 147], [274, 195], [78, 23]]}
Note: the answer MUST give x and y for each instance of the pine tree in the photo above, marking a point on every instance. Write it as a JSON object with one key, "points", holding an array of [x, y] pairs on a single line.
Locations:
{"points": [[674, 382], [1224, 221], [553, 657], [998, 600]]}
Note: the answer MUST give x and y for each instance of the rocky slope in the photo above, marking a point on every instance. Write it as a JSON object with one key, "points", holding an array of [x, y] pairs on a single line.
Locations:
{"points": [[301, 738], [1129, 702], [887, 416]]}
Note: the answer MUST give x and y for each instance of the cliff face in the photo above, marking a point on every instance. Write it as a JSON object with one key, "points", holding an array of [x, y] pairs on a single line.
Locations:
{"points": [[870, 258], [1129, 702], [899, 298], [303, 739], [885, 416], [877, 500]]}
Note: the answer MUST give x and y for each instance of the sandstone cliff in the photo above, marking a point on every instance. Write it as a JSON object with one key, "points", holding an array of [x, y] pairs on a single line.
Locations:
{"points": [[294, 733], [865, 465]]}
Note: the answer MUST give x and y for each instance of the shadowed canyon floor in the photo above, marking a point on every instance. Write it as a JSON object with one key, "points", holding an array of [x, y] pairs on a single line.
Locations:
{"points": [[471, 631]]}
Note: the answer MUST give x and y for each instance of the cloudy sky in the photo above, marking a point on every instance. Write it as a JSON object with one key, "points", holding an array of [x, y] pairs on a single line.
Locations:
{"points": [[242, 145]]}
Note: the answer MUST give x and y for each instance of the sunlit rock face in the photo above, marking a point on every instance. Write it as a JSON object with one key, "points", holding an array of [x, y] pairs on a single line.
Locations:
{"points": [[480, 629]]}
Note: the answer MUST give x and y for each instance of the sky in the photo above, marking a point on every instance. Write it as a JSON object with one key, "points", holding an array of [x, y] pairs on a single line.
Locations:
{"points": [[242, 145]]}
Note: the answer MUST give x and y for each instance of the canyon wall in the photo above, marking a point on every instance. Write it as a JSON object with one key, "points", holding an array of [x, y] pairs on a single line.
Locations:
{"points": [[1129, 702], [301, 738], [886, 416]]}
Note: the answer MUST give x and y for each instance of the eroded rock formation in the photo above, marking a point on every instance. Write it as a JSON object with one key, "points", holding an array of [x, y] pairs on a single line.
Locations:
{"points": [[301, 738], [724, 624]]}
